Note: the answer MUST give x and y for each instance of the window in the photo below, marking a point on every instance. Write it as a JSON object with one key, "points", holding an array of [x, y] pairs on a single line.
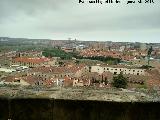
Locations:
{"points": [[107, 68], [115, 73], [17, 81], [133, 70]]}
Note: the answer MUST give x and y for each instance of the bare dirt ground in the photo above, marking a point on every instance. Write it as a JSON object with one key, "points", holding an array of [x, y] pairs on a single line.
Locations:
{"points": [[88, 93]]}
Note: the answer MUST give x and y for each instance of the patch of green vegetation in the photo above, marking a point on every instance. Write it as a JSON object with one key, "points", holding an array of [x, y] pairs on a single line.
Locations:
{"points": [[146, 67], [20, 47], [55, 52], [119, 81], [139, 86]]}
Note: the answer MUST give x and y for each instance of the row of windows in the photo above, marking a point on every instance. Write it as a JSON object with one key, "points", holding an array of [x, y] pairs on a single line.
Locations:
{"points": [[23, 63], [128, 73], [42, 75], [122, 70]]}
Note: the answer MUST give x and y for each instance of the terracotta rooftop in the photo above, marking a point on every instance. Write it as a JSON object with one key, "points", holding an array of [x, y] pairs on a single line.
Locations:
{"points": [[11, 78], [31, 60], [32, 79], [90, 53], [68, 81], [57, 70]]}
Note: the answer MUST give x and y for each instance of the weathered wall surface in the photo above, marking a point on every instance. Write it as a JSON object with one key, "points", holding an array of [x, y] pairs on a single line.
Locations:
{"points": [[50, 109]]}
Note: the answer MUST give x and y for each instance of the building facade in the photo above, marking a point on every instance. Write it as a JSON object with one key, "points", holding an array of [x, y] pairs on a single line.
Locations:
{"points": [[117, 70]]}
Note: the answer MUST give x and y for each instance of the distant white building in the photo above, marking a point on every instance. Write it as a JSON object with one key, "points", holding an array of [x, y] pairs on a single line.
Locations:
{"points": [[122, 48], [117, 70]]}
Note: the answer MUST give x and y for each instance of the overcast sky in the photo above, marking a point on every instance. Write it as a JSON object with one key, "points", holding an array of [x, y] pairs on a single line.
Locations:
{"points": [[63, 19]]}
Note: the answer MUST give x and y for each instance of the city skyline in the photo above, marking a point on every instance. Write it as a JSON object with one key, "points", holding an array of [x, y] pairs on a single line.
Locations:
{"points": [[53, 19]]}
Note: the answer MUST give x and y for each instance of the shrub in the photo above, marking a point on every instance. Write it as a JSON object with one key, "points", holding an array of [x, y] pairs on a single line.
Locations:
{"points": [[119, 81]]}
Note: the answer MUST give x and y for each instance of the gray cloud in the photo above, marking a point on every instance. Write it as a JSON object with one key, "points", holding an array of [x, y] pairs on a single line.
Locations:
{"points": [[60, 19]]}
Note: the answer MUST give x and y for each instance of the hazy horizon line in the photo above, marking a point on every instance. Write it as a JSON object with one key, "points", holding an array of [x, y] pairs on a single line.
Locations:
{"points": [[44, 38]]}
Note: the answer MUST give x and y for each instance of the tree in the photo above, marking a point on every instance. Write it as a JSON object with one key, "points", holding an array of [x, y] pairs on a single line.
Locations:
{"points": [[55, 52], [149, 54], [77, 61], [119, 81]]}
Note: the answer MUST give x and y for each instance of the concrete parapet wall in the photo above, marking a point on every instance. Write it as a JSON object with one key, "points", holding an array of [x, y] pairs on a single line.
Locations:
{"points": [[54, 109]]}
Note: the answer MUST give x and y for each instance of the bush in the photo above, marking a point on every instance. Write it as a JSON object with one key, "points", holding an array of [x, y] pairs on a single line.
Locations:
{"points": [[146, 67], [119, 81]]}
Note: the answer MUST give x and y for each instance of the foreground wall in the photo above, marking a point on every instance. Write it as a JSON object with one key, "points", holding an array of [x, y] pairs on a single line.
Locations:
{"points": [[50, 109]]}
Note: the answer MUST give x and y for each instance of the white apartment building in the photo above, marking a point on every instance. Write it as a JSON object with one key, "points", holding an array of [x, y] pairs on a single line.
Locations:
{"points": [[117, 70]]}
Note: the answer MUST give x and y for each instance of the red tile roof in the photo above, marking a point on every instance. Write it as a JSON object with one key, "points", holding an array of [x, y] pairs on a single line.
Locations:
{"points": [[72, 69], [11, 78], [68, 81], [49, 82], [32, 80], [114, 54], [31, 60], [90, 53]]}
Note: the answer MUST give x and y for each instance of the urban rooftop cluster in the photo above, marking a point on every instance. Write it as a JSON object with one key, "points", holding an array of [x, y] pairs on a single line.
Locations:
{"points": [[81, 64]]}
